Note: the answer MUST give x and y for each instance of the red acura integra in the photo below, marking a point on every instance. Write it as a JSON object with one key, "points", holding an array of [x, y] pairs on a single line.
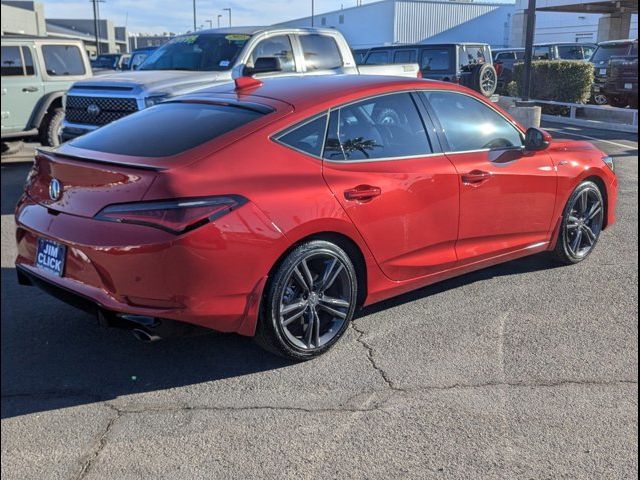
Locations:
{"points": [[278, 209]]}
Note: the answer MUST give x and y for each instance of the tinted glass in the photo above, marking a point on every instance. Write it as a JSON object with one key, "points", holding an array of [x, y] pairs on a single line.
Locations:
{"points": [[520, 55], [470, 55], [469, 124], [588, 51], [604, 52], [435, 60], [63, 60], [378, 58], [204, 52], [105, 61], [320, 52], [541, 53], [388, 126], [308, 137], [570, 52], [279, 47], [136, 60], [405, 56], [28, 61], [165, 129], [11, 61], [505, 56]]}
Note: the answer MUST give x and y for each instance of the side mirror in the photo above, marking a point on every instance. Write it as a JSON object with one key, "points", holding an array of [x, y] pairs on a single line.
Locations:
{"points": [[263, 65], [536, 139]]}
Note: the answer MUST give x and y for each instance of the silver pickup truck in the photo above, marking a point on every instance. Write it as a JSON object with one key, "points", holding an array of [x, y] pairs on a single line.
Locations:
{"points": [[208, 57]]}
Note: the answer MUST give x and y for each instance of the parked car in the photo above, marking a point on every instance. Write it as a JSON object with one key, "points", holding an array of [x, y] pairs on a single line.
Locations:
{"points": [[600, 60], [621, 85], [106, 61], [267, 211], [36, 72], [190, 62], [504, 59], [469, 64], [563, 51], [138, 57]]}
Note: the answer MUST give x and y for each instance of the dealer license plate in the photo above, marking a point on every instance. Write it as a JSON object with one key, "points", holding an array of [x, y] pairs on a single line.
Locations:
{"points": [[50, 256]]}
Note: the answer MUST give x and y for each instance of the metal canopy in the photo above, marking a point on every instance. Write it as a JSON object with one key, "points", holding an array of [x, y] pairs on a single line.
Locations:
{"points": [[589, 6]]}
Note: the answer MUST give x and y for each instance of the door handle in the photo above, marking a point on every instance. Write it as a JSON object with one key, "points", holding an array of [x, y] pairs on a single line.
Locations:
{"points": [[475, 177], [362, 193], [30, 89]]}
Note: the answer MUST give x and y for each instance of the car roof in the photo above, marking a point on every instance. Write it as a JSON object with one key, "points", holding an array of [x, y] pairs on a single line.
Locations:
{"points": [[617, 42], [420, 45], [327, 89], [33, 38], [252, 30]]}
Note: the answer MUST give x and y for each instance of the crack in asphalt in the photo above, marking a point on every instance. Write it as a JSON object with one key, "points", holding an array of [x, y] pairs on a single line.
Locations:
{"points": [[91, 456], [369, 348]]}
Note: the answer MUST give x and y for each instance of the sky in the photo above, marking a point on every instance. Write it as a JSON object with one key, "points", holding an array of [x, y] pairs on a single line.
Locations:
{"points": [[157, 16]]}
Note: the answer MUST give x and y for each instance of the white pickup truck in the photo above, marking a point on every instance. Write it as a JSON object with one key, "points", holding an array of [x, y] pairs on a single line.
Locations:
{"points": [[208, 57]]}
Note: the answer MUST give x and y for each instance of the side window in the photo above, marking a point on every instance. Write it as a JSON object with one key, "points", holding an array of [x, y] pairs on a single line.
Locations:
{"points": [[435, 60], [63, 60], [307, 137], [320, 52], [28, 61], [405, 56], [505, 56], [379, 57], [279, 47], [469, 124], [570, 52], [588, 51], [520, 55], [11, 62], [541, 53], [471, 56], [388, 126]]}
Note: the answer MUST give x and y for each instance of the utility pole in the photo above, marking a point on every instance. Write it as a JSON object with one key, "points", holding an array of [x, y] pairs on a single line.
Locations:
{"points": [[312, 12], [219, 17], [194, 16], [528, 50], [228, 10], [95, 25]]}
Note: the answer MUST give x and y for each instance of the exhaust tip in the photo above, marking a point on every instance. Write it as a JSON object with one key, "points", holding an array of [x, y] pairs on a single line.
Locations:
{"points": [[144, 336]]}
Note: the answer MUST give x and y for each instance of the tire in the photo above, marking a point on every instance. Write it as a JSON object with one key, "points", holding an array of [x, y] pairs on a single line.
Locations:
{"points": [[619, 102], [304, 315], [50, 128], [583, 213], [484, 79]]}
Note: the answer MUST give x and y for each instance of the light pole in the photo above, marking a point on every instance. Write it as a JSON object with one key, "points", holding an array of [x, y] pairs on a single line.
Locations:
{"points": [[312, 12], [528, 50], [228, 10], [194, 16], [219, 17], [210, 22]]}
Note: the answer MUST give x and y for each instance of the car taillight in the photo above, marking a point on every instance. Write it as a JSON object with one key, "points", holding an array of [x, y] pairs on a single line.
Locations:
{"points": [[175, 216]]}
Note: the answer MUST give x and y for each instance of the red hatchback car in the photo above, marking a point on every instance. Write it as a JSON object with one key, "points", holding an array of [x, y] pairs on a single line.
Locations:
{"points": [[276, 209]]}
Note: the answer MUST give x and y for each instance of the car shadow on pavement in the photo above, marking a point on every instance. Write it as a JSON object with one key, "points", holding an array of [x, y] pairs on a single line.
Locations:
{"points": [[54, 356]]}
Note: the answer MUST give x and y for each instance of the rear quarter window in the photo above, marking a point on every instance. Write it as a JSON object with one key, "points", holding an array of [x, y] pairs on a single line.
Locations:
{"points": [[307, 137], [166, 129], [377, 58], [320, 52]]}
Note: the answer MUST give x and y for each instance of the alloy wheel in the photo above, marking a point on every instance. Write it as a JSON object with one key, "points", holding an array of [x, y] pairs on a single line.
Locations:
{"points": [[488, 81], [584, 222], [316, 301]]}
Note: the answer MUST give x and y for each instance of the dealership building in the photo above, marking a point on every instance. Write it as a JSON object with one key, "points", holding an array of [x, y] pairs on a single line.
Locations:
{"points": [[388, 22]]}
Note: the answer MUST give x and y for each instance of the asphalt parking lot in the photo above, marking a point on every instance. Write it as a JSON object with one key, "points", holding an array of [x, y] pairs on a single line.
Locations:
{"points": [[524, 370]]}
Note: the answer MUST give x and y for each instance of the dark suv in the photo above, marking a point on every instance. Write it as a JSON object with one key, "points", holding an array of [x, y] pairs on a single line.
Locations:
{"points": [[616, 75], [469, 64]]}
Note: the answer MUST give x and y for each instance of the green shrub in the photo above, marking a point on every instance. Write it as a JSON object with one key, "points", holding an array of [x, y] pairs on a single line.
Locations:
{"points": [[559, 80]]}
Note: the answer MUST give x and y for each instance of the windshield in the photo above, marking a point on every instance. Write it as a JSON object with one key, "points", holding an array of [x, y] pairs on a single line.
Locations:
{"points": [[604, 52], [105, 61], [198, 52]]}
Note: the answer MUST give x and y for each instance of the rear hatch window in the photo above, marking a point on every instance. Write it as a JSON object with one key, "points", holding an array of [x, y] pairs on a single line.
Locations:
{"points": [[167, 129]]}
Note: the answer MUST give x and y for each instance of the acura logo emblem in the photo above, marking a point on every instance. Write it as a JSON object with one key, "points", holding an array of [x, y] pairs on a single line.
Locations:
{"points": [[55, 189], [93, 110]]}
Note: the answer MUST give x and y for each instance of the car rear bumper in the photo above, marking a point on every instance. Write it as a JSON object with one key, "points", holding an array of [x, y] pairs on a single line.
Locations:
{"points": [[211, 277]]}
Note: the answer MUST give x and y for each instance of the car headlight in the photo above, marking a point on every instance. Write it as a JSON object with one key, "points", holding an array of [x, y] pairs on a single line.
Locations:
{"points": [[154, 100], [609, 163]]}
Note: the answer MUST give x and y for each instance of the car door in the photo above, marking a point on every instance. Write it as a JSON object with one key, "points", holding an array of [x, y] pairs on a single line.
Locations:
{"points": [[395, 184], [507, 195], [21, 87]]}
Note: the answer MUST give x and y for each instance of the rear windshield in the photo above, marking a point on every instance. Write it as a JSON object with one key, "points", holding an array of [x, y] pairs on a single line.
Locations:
{"points": [[166, 129], [197, 52]]}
